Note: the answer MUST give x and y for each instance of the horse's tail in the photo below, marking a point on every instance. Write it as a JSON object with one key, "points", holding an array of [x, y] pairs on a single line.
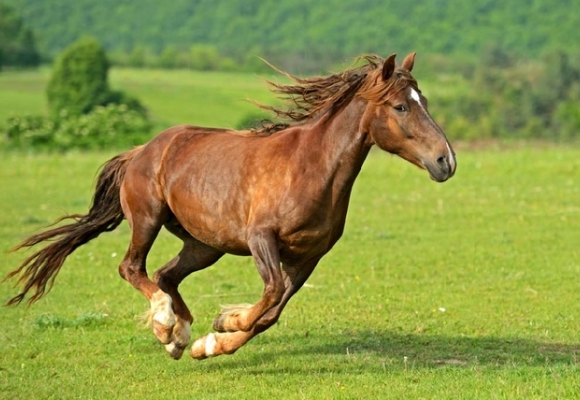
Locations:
{"points": [[39, 270]]}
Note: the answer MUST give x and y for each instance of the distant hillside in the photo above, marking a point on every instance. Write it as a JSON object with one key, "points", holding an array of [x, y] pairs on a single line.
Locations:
{"points": [[302, 29]]}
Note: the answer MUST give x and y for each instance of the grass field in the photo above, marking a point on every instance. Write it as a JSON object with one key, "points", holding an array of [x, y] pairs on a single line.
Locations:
{"points": [[466, 289], [461, 290]]}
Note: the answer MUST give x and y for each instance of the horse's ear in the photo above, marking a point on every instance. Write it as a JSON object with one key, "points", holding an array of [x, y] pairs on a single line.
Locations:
{"points": [[389, 67], [409, 61]]}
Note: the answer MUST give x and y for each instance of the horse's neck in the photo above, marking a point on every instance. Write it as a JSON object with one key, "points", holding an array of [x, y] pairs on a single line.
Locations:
{"points": [[341, 148]]}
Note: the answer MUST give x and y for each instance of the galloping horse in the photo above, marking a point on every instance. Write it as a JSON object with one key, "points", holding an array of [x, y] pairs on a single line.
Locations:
{"points": [[279, 193]]}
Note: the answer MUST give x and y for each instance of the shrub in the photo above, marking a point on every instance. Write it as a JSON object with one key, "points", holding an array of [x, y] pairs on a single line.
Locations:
{"points": [[29, 131], [84, 112], [111, 126], [79, 81]]}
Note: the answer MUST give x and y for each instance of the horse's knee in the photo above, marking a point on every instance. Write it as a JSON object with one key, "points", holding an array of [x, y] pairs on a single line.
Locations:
{"points": [[125, 270]]}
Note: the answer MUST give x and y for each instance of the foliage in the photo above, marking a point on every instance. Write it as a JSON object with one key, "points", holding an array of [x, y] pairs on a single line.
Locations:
{"points": [[84, 112], [466, 290], [514, 99], [79, 81], [303, 35], [17, 42], [111, 126]]}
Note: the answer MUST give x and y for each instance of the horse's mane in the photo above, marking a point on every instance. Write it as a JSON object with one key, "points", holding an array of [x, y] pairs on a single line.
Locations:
{"points": [[308, 97]]}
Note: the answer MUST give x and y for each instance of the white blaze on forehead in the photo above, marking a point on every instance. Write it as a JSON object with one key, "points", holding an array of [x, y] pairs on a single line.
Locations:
{"points": [[415, 96]]}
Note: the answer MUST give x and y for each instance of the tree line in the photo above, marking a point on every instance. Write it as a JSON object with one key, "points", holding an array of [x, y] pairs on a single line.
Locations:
{"points": [[300, 35]]}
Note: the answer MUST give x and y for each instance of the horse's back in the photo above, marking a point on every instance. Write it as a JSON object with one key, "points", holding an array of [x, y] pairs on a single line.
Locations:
{"points": [[148, 162]]}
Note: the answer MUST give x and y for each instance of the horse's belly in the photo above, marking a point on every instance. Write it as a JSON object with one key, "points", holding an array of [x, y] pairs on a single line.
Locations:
{"points": [[220, 230]]}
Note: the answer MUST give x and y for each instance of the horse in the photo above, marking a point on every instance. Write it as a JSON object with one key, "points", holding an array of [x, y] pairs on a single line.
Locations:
{"points": [[278, 193]]}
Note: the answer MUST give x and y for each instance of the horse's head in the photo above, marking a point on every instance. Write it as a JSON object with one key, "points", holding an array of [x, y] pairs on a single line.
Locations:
{"points": [[397, 120]]}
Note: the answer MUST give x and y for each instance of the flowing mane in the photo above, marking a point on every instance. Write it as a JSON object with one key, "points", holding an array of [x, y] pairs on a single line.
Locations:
{"points": [[309, 97]]}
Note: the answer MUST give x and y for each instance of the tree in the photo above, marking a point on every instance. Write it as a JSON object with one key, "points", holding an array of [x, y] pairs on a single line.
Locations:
{"points": [[17, 42], [79, 81]]}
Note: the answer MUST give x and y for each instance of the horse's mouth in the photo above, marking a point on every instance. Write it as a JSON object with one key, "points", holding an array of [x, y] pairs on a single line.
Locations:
{"points": [[440, 172]]}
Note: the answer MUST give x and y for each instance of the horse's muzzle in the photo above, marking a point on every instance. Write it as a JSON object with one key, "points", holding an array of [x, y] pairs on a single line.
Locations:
{"points": [[442, 168]]}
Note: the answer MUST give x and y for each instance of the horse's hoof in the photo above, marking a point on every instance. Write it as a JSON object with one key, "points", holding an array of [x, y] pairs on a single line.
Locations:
{"points": [[175, 351], [204, 347], [198, 350]]}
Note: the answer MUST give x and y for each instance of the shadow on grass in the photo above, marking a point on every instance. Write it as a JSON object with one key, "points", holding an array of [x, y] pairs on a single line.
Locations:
{"points": [[367, 351]]}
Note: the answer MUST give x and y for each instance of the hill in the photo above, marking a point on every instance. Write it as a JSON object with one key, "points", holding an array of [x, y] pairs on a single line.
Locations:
{"points": [[296, 32]]}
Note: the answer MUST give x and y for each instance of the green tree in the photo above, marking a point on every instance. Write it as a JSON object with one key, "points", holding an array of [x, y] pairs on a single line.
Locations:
{"points": [[17, 43], [79, 81], [309, 36]]}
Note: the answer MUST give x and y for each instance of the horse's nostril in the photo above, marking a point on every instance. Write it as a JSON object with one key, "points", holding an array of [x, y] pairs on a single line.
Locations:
{"points": [[442, 161]]}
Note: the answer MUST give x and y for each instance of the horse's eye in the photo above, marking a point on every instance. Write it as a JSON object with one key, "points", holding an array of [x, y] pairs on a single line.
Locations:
{"points": [[400, 108]]}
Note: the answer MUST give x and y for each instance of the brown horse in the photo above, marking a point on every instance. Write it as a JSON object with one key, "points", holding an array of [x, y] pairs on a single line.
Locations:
{"points": [[279, 194]]}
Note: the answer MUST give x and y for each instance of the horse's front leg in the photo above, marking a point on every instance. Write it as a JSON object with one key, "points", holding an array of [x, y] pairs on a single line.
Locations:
{"points": [[264, 248], [216, 344]]}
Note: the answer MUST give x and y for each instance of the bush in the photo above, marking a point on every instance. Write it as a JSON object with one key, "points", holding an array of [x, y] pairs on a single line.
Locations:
{"points": [[111, 126], [512, 99], [84, 112], [29, 131], [79, 81]]}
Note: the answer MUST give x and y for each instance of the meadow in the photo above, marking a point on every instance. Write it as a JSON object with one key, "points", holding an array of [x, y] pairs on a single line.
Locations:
{"points": [[178, 97], [465, 289]]}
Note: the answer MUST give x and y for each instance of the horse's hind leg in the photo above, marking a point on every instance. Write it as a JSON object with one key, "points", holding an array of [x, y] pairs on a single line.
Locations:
{"points": [[146, 214], [216, 344], [194, 256]]}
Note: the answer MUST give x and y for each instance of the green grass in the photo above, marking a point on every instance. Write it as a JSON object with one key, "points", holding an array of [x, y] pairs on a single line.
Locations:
{"points": [[179, 97], [200, 98], [22, 92], [465, 290]]}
